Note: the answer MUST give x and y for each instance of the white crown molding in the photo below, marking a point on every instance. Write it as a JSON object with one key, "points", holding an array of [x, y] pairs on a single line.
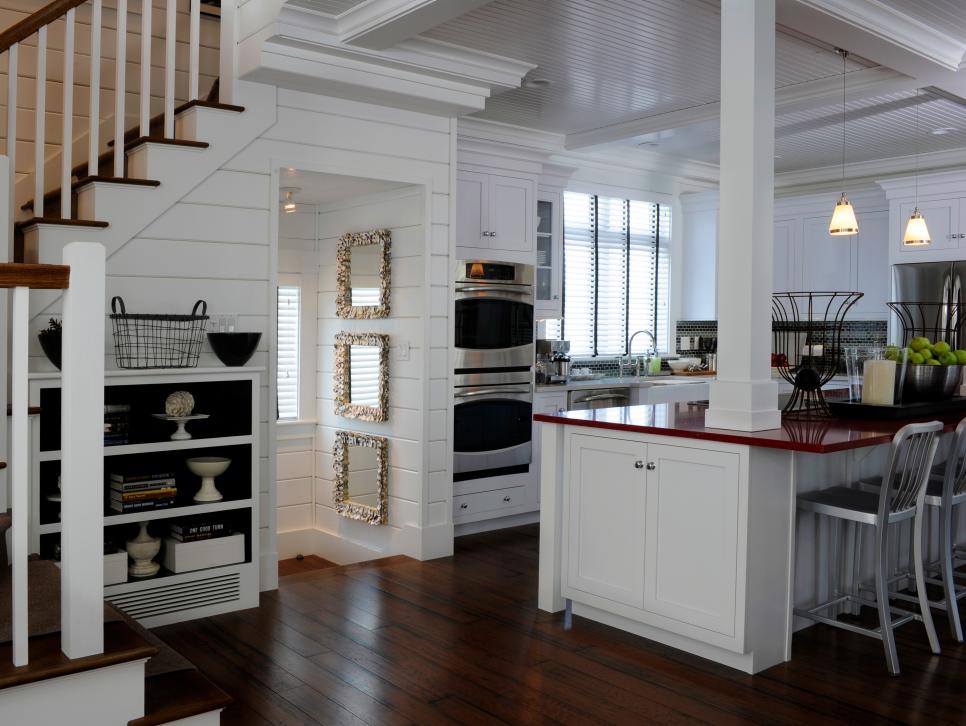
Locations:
{"points": [[873, 170], [301, 49], [382, 24], [896, 28], [947, 182]]}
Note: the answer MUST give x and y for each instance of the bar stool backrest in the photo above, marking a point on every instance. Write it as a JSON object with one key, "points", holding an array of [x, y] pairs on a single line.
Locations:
{"points": [[910, 461], [956, 464]]}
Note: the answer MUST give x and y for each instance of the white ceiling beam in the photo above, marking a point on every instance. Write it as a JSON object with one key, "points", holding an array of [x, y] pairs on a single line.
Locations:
{"points": [[381, 24], [866, 83]]}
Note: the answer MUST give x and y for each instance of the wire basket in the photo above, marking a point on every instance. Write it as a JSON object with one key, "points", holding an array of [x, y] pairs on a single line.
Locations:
{"points": [[934, 320], [157, 341], [807, 341]]}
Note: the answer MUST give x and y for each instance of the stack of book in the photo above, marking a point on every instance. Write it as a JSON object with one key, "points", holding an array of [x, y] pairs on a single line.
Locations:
{"points": [[199, 528], [137, 492], [117, 424]]}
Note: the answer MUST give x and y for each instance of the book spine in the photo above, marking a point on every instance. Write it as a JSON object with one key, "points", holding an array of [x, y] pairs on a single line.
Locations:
{"points": [[193, 529], [138, 506], [143, 485], [198, 537], [147, 494], [129, 478]]}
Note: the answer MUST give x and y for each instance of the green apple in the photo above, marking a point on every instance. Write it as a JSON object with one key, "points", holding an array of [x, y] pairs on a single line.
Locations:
{"points": [[941, 347], [919, 343], [932, 362], [961, 357], [927, 354], [948, 359], [916, 359]]}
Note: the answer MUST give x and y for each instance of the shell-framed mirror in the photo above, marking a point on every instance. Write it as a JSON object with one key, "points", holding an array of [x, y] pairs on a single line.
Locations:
{"points": [[362, 376], [363, 275], [361, 464]]}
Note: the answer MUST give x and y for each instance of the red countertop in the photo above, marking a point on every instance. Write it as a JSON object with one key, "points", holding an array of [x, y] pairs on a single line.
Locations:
{"points": [[816, 435]]}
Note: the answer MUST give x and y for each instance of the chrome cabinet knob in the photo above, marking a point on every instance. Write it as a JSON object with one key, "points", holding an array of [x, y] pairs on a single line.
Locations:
{"points": [[638, 464], [651, 466], [464, 505]]}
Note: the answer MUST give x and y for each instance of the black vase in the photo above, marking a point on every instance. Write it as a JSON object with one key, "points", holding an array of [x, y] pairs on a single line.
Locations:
{"points": [[234, 349], [51, 343]]}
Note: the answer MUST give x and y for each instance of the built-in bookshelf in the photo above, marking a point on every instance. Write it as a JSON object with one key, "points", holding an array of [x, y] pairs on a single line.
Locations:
{"points": [[230, 397]]}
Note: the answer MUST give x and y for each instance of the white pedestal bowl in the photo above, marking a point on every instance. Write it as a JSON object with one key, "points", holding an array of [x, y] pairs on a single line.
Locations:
{"points": [[208, 467]]}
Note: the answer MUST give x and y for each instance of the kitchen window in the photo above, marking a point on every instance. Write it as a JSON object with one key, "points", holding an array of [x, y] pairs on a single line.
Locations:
{"points": [[287, 368], [616, 273]]}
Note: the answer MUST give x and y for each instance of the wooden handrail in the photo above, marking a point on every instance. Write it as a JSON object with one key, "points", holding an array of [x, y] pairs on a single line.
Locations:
{"points": [[36, 277], [32, 23]]}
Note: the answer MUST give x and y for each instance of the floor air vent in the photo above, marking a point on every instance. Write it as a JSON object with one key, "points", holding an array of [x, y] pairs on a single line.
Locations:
{"points": [[173, 598]]}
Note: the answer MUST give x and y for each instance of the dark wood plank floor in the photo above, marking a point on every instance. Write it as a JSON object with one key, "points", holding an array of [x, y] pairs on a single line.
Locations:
{"points": [[308, 563], [460, 640]]}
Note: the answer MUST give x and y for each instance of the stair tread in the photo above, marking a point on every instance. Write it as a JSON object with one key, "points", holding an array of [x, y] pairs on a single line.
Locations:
{"points": [[121, 645], [54, 194], [208, 104], [172, 696], [161, 140], [64, 222]]}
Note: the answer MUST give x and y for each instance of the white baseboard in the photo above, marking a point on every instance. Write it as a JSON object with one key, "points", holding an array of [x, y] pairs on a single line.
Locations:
{"points": [[436, 541], [268, 571], [294, 543], [488, 525]]}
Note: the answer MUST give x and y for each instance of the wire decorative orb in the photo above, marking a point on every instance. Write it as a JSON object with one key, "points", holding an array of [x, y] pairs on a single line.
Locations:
{"points": [[807, 344]]}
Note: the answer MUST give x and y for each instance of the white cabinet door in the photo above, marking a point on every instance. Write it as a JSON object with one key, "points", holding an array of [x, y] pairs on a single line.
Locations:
{"points": [[826, 261], [471, 199], [942, 219], [548, 299], [692, 536], [874, 277], [699, 264], [605, 518], [783, 260], [512, 213]]}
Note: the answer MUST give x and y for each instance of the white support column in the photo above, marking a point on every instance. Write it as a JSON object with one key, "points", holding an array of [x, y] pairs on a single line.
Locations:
{"points": [[82, 460], [744, 397]]}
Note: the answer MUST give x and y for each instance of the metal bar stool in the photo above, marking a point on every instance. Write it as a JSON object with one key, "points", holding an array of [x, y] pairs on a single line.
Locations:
{"points": [[902, 497]]}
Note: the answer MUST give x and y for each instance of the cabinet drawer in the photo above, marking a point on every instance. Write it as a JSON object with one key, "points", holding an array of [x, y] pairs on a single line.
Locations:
{"points": [[494, 500]]}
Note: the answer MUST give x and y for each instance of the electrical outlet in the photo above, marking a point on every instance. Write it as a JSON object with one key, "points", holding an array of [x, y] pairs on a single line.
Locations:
{"points": [[402, 351], [696, 342]]}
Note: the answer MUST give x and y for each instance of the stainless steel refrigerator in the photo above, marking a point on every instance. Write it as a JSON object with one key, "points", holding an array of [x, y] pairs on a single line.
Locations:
{"points": [[933, 297]]}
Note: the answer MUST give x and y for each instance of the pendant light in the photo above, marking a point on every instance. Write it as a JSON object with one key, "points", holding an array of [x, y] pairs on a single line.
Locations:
{"points": [[288, 204], [843, 217], [917, 234]]}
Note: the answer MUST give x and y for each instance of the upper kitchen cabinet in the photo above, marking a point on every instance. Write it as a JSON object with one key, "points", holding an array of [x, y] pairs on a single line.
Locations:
{"points": [[785, 270], [549, 267], [827, 262], [495, 213], [699, 256], [873, 273], [942, 200]]}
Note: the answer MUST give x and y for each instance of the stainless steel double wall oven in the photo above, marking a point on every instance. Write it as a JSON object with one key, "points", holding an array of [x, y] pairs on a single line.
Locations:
{"points": [[493, 396]]}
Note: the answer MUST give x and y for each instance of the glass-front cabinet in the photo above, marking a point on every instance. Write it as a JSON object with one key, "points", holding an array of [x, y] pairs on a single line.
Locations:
{"points": [[549, 268]]}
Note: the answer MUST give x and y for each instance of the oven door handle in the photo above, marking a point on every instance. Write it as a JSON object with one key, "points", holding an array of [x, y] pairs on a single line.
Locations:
{"points": [[601, 397], [496, 288], [494, 391]]}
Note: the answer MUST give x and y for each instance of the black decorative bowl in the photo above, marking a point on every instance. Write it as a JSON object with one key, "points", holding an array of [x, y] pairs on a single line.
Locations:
{"points": [[234, 349], [52, 343]]}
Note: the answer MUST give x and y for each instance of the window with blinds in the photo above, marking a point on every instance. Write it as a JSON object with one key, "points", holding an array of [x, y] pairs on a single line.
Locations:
{"points": [[288, 352], [616, 273]]}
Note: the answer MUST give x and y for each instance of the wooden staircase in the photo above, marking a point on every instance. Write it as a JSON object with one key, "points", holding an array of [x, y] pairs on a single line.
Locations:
{"points": [[124, 184]]}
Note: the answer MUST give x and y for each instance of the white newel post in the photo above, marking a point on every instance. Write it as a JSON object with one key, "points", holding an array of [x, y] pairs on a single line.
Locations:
{"points": [[82, 460], [744, 397]]}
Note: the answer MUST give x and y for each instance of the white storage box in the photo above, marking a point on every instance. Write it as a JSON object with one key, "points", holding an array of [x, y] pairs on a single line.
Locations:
{"points": [[115, 568], [215, 552]]}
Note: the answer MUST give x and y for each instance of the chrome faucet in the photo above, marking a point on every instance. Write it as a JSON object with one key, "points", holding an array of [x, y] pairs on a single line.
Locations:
{"points": [[629, 360]]}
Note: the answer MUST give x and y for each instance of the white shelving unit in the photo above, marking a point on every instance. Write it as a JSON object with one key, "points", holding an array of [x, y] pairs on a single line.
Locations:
{"points": [[169, 598]]}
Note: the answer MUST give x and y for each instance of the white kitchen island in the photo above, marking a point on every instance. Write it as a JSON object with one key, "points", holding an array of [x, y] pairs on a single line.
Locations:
{"points": [[656, 525]]}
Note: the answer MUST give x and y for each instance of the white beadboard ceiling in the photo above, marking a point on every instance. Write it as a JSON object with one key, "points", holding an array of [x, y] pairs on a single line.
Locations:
{"points": [[611, 61], [327, 7]]}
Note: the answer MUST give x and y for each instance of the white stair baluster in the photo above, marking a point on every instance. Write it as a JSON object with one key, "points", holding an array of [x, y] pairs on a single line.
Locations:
{"points": [[193, 42], [146, 11], [120, 91], [12, 63], [67, 135], [40, 119], [95, 104], [19, 469], [170, 37], [227, 54]]}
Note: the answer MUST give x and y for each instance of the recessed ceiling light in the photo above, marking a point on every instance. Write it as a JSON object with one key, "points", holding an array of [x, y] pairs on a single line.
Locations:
{"points": [[537, 82], [943, 130]]}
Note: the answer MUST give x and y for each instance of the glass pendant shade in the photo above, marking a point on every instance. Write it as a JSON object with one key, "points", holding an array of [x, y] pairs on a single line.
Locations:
{"points": [[843, 218], [917, 235]]}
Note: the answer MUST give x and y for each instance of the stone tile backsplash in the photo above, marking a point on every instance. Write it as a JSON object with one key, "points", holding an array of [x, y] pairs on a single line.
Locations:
{"points": [[862, 333]]}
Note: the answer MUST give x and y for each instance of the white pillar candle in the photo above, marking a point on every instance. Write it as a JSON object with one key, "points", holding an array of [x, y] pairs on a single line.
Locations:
{"points": [[879, 382]]}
